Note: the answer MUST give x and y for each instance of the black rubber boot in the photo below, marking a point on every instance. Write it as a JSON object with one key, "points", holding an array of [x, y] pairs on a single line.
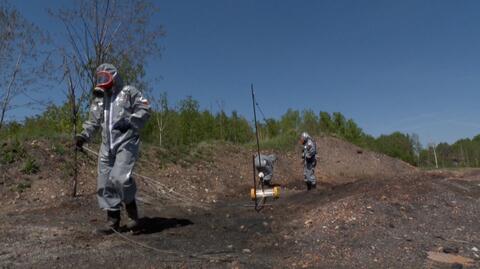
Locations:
{"points": [[132, 212], [113, 223]]}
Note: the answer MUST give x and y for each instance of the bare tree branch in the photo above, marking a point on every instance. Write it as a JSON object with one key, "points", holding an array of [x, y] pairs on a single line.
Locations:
{"points": [[9, 91]]}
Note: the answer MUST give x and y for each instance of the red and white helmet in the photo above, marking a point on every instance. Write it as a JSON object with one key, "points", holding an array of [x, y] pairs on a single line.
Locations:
{"points": [[105, 78]]}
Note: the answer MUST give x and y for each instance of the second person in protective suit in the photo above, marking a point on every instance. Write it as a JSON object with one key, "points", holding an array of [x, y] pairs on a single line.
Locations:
{"points": [[309, 153], [264, 166], [120, 111]]}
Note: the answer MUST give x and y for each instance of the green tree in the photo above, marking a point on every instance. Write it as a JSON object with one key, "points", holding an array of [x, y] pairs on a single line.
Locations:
{"points": [[352, 132], [326, 123], [189, 115], [310, 122], [272, 128], [339, 123], [290, 121], [396, 145]]}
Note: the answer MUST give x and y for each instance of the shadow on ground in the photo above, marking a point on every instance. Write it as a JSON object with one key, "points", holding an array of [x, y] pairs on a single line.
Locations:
{"points": [[156, 224]]}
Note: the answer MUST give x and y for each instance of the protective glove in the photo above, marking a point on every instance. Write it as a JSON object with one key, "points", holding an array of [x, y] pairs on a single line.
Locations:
{"points": [[303, 155], [79, 141], [122, 125]]}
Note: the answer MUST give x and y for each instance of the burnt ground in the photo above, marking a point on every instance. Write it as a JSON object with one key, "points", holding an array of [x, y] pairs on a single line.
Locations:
{"points": [[370, 211]]}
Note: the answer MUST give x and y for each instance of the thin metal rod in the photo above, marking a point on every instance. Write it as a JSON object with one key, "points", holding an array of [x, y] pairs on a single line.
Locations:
{"points": [[256, 125], [254, 179], [258, 206]]}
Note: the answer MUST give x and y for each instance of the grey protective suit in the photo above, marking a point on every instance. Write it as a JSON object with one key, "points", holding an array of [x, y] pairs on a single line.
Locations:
{"points": [[310, 160], [265, 165], [121, 113]]}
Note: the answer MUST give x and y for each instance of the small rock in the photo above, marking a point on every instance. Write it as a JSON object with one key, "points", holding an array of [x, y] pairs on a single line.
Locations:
{"points": [[475, 249], [457, 266], [265, 223], [408, 239], [230, 246], [53, 197], [450, 249], [308, 222], [246, 250]]}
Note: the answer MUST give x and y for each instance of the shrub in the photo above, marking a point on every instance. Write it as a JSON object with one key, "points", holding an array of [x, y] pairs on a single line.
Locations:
{"points": [[30, 166], [11, 152]]}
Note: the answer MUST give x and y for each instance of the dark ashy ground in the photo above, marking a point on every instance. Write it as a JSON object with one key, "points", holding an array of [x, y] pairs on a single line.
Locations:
{"points": [[370, 211]]}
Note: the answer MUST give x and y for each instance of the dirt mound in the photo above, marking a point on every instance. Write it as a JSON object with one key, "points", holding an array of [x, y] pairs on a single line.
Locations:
{"points": [[220, 171], [341, 162], [208, 173]]}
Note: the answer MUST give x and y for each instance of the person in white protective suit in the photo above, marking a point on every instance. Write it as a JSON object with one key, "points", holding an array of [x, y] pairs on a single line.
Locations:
{"points": [[309, 153], [120, 111], [264, 166]]}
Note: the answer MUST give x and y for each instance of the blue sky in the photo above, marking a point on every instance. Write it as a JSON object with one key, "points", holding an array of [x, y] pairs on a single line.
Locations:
{"points": [[409, 66]]}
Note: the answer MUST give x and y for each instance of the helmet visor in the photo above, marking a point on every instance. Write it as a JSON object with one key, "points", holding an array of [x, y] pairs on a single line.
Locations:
{"points": [[104, 80]]}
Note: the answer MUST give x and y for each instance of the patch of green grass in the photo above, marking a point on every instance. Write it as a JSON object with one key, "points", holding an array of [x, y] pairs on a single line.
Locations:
{"points": [[21, 187], [11, 151], [68, 169], [284, 142], [30, 166], [171, 155], [58, 148], [180, 155], [202, 152]]}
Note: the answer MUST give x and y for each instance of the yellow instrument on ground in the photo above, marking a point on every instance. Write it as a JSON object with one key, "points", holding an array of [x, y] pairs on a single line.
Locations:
{"points": [[266, 192]]}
